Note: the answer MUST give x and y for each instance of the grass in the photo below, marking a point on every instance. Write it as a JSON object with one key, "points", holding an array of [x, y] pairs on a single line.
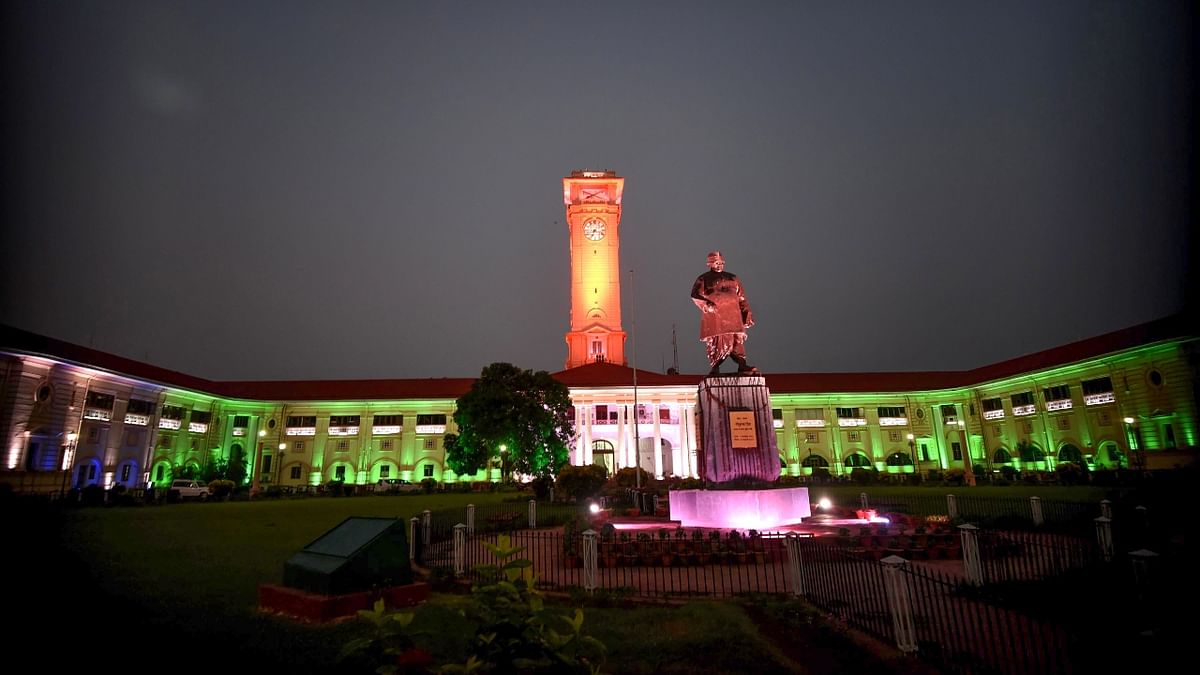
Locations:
{"points": [[178, 584]]}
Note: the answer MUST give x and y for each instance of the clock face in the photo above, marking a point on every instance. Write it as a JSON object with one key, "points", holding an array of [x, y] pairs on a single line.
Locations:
{"points": [[594, 229]]}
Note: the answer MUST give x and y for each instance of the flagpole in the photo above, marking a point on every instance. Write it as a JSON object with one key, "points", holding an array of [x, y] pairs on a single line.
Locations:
{"points": [[637, 446]]}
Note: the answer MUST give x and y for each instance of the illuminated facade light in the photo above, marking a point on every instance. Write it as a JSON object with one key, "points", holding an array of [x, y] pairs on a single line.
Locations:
{"points": [[993, 414], [1024, 410], [301, 431], [97, 414], [164, 423], [431, 428], [239, 431], [384, 430], [343, 431], [198, 427], [893, 421], [1099, 399], [1064, 404], [137, 420]]}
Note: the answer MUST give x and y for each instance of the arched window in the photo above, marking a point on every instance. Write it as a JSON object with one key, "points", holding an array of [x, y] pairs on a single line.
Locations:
{"points": [[603, 454], [1031, 453], [818, 462], [899, 459], [857, 460], [1001, 456], [1070, 453]]}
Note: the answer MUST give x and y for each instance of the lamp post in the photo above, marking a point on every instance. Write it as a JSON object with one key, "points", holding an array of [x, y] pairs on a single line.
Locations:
{"points": [[1133, 440], [279, 467], [68, 459]]}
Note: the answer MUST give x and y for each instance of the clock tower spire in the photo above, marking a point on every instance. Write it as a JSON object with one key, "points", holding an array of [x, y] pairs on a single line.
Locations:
{"points": [[593, 201]]}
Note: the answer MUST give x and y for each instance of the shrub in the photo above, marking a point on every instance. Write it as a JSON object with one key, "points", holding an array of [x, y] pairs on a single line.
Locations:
{"points": [[220, 489], [429, 485], [864, 475], [1070, 473], [954, 476], [581, 482], [541, 486], [627, 478]]}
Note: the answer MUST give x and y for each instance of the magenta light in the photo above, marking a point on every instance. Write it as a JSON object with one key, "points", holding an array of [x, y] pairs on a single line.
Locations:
{"points": [[740, 509]]}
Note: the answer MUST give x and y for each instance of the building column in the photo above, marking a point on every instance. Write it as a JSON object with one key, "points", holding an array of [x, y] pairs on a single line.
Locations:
{"points": [[622, 448], [658, 463]]}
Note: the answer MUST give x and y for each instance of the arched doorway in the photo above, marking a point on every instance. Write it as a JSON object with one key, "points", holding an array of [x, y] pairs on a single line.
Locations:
{"points": [[857, 460], [1001, 456], [900, 462], [1110, 456], [604, 454], [1070, 453], [87, 472], [127, 473]]}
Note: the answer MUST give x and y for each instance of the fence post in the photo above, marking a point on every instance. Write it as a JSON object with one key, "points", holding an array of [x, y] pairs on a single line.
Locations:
{"points": [[412, 539], [425, 527], [795, 564], [470, 519], [532, 514], [656, 504], [899, 604], [969, 535], [589, 560], [1106, 508], [551, 494], [1104, 537], [1142, 578], [1035, 507], [460, 548], [862, 499], [951, 506]]}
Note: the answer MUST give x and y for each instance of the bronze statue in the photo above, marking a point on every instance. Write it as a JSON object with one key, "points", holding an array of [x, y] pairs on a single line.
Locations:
{"points": [[724, 315]]}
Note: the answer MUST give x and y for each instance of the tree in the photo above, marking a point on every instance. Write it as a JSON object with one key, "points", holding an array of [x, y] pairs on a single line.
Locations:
{"points": [[524, 411]]}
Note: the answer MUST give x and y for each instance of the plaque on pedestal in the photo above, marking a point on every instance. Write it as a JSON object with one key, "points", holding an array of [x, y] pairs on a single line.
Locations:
{"points": [[737, 431]]}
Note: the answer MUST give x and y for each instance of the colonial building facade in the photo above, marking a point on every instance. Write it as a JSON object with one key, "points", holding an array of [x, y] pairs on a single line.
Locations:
{"points": [[72, 416]]}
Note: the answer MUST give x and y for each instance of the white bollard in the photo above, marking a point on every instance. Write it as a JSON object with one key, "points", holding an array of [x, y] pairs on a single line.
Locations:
{"points": [[1035, 508], [470, 519], [952, 506], [589, 560], [412, 539], [532, 514], [862, 499], [900, 604], [425, 527], [460, 548], [1104, 538], [969, 534], [795, 564], [1106, 508]]}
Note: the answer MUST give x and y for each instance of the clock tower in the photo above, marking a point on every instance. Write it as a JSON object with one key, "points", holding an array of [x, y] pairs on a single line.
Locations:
{"points": [[593, 201]]}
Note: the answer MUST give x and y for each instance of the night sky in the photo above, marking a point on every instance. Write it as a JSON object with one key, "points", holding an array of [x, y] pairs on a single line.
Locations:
{"points": [[295, 190]]}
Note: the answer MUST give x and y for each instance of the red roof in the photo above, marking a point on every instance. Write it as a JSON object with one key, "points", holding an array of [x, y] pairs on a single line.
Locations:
{"points": [[598, 374]]}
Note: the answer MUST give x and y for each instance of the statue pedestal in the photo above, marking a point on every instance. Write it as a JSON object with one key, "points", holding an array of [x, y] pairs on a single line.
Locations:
{"points": [[738, 441], [761, 510], [737, 431]]}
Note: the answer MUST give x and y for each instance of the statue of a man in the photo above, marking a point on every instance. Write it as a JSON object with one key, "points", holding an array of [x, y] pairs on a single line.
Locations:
{"points": [[724, 315]]}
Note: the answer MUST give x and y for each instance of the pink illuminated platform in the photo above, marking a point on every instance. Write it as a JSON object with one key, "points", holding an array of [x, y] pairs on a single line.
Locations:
{"points": [[744, 509]]}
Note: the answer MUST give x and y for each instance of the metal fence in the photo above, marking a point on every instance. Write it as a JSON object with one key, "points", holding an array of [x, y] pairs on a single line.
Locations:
{"points": [[969, 600]]}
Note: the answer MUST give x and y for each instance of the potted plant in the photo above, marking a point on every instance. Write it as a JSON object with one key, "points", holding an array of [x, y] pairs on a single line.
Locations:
{"points": [[716, 545], [645, 549]]}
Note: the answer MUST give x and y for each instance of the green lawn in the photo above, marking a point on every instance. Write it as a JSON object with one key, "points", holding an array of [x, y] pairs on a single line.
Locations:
{"points": [[176, 585]]}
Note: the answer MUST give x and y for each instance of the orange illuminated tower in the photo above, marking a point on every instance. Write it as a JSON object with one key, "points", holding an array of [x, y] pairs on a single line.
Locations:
{"points": [[593, 200]]}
